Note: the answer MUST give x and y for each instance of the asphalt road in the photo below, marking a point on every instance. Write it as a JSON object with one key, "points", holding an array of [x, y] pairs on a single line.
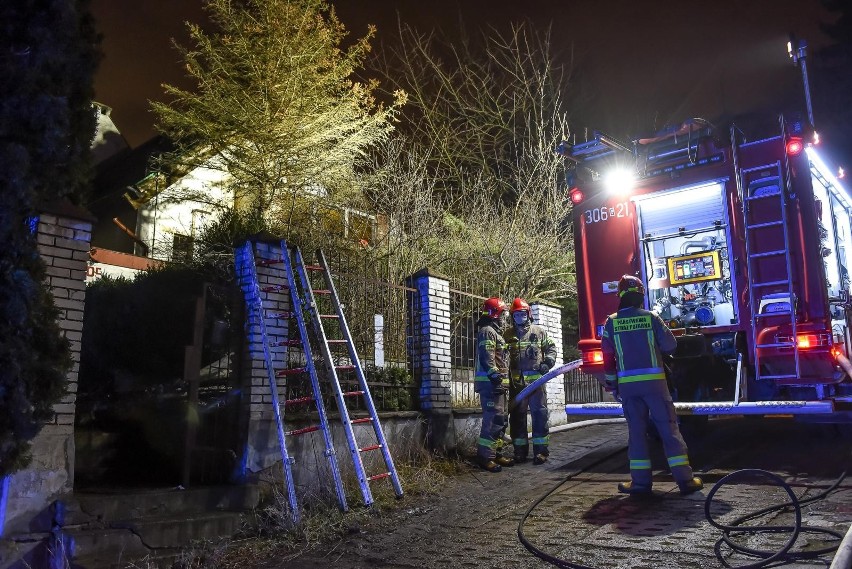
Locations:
{"points": [[473, 522]]}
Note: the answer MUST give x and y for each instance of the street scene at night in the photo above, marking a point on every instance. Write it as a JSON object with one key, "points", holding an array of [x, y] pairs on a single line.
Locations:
{"points": [[371, 283]]}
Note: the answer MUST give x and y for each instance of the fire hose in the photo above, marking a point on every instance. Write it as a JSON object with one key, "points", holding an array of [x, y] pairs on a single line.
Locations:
{"points": [[776, 558], [781, 556], [555, 372]]}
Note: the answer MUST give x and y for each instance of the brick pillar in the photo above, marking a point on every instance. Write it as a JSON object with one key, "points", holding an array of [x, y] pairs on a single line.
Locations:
{"points": [[430, 352], [261, 450], [64, 234], [549, 316]]}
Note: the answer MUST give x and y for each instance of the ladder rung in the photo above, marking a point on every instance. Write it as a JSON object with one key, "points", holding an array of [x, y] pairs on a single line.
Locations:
{"points": [[282, 315], [788, 376], [336, 341], [286, 343], [378, 476], [314, 267], [322, 291], [291, 371], [769, 283], [362, 420], [274, 288], [328, 316], [369, 448], [768, 254], [303, 431], [764, 196], [352, 393], [771, 314], [776, 345], [766, 224], [345, 367], [267, 262], [298, 401]]}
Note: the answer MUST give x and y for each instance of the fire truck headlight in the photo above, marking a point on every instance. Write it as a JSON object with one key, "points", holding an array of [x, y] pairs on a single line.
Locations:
{"points": [[619, 182]]}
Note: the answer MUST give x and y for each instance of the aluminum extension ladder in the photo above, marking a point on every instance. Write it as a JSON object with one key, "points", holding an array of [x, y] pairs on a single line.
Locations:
{"points": [[304, 306], [765, 191]]}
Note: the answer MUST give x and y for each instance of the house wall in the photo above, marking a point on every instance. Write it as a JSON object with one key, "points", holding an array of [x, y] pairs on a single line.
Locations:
{"points": [[185, 208]]}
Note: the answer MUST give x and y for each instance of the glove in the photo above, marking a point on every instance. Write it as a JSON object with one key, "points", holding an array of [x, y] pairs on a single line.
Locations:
{"points": [[496, 378], [611, 385], [545, 366]]}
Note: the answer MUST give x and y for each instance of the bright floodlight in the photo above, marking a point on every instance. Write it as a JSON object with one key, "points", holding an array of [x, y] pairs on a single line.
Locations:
{"points": [[619, 181]]}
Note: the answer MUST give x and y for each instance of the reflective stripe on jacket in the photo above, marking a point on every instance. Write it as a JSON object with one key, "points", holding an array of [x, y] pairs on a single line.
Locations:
{"points": [[633, 342], [527, 349], [491, 353]]}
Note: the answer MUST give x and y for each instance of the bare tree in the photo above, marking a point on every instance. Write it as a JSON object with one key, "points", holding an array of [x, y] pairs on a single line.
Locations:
{"points": [[276, 107], [472, 183]]}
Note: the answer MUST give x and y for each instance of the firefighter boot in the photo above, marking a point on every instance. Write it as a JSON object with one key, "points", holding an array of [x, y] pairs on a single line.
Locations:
{"points": [[691, 486], [504, 461], [634, 489], [489, 465], [540, 459]]}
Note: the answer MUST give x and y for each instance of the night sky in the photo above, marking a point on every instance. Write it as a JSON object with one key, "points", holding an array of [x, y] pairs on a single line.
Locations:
{"points": [[634, 61]]}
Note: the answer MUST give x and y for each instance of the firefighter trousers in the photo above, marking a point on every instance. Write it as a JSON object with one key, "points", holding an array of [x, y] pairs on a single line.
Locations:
{"points": [[493, 403], [652, 402], [536, 404]]}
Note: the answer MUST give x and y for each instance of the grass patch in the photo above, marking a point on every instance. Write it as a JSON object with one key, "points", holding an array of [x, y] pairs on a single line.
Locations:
{"points": [[269, 532]]}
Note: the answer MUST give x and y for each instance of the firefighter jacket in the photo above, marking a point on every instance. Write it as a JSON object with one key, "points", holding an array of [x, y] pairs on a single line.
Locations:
{"points": [[491, 352], [529, 346], [633, 342]]}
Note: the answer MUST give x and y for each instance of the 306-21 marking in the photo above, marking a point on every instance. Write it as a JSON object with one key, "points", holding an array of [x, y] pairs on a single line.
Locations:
{"points": [[605, 213]]}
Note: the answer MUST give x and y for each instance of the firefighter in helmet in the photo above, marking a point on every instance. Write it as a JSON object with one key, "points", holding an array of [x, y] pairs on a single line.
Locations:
{"points": [[491, 382], [531, 354], [633, 342]]}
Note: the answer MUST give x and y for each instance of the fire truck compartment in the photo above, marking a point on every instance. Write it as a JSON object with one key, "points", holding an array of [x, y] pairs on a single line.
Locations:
{"points": [[685, 235]]}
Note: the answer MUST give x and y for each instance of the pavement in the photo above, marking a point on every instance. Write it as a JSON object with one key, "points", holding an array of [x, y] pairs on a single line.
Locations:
{"points": [[473, 521]]}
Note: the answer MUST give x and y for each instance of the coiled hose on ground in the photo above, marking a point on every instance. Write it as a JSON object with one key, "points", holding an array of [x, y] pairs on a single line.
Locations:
{"points": [[767, 558]]}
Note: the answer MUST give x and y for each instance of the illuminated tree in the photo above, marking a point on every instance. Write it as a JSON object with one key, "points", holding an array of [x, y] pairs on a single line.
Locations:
{"points": [[276, 105]]}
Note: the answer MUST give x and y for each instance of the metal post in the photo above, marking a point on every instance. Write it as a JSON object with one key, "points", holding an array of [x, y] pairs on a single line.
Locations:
{"points": [[797, 50]]}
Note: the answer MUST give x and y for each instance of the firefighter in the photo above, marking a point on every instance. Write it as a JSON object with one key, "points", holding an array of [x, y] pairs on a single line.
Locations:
{"points": [[633, 342], [531, 354], [491, 382]]}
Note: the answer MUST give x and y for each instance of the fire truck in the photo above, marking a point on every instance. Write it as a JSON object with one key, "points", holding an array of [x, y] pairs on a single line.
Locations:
{"points": [[744, 246]]}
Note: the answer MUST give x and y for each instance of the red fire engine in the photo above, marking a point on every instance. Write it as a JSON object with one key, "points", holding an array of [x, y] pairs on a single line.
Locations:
{"points": [[744, 247]]}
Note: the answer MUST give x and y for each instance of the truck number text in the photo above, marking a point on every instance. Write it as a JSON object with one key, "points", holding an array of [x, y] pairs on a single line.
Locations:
{"points": [[604, 213]]}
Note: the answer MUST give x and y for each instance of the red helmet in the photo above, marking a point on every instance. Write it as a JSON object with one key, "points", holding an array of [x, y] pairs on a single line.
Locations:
{"points": [[493, 307], [629, 283], [518, 305]]}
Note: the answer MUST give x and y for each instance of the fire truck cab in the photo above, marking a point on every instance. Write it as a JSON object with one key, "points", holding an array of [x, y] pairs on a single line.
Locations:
{"points": [[744, 246]]}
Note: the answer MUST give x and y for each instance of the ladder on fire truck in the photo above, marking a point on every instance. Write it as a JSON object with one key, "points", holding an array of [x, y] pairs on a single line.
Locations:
{"points": [[304, 302], [764, 192]]}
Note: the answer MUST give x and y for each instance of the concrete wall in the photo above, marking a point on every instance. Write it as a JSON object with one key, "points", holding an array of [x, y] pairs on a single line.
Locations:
{"points": [[63, 238]]}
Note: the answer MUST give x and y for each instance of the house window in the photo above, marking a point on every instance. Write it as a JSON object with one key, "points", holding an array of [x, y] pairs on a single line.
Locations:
{"points": [[360, 226], [182, 248]]}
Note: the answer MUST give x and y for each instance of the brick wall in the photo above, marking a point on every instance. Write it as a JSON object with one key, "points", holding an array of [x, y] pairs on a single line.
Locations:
{"points": [[430, 346], [261, 447], [550, 317], [64, 235]]}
